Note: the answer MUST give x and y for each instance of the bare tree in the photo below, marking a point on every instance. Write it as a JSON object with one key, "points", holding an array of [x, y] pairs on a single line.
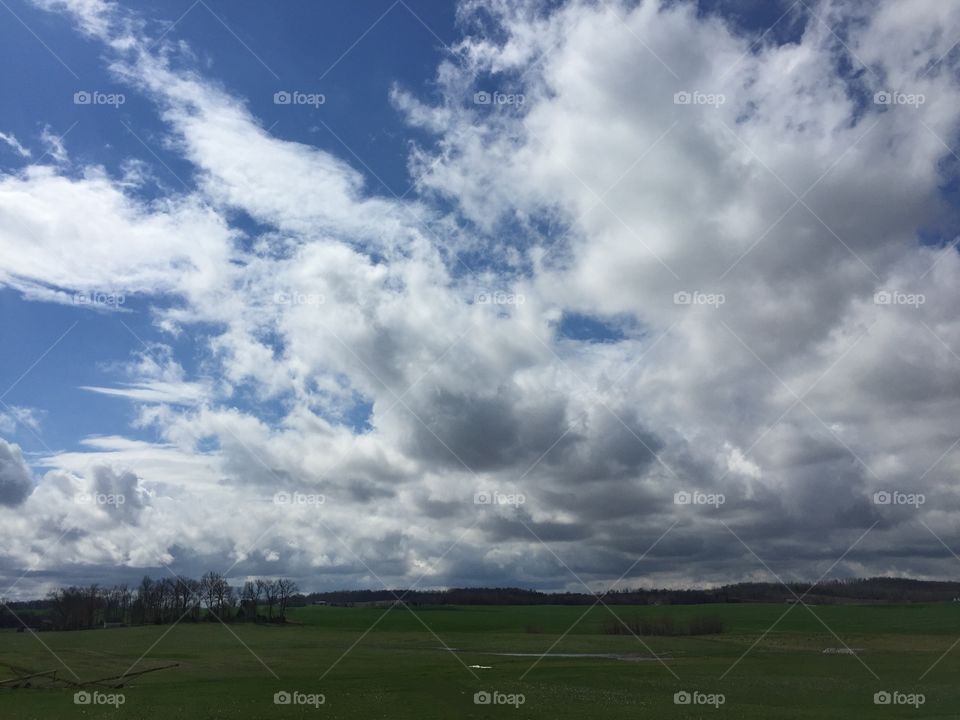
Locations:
{"points": [[193, 597], [257, 594], [248, 600], [285, 590], [166, 599], [216, 593], [270, 592], [91, 605], [144, 601]]}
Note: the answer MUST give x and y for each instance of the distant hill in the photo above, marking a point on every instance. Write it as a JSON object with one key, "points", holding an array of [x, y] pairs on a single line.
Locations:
{"points": [[858, 590]]}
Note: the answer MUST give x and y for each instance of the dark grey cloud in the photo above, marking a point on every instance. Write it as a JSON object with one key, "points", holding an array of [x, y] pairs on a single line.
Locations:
{"points": [[16, 480], [483, 431]]}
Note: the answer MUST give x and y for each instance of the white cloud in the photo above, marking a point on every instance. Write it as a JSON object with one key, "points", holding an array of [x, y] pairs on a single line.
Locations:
{"points": [[55, 145], [14, 416], [796, 397], [12, 142]]}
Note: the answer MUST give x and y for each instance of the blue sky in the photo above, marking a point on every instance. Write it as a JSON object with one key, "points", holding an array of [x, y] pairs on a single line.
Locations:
{"points": [[689, 247], [309, 46], [306, 46]]}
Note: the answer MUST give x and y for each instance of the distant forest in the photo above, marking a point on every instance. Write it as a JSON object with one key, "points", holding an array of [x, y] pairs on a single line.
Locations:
{"points": [[856, 590], [212, 598]]}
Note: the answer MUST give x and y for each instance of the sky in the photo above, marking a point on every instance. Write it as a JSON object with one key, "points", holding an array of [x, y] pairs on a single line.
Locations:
{"points": [[561, 295]]}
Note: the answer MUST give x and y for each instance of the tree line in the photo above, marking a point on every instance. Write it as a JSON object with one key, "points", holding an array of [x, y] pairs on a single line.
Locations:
{"points": [[174, 599], [878, 590], [159, 601]]}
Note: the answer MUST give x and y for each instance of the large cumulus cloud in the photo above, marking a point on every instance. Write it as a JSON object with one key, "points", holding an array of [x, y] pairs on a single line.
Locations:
{"points": [[798, 200]]}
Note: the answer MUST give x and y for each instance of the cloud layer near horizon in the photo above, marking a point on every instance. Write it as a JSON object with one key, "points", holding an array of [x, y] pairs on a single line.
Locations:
{"points": [[798, 201]]}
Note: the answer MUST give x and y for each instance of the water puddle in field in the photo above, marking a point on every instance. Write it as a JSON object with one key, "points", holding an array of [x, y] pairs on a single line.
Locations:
{"points": [[842, 651], [601, 656]]}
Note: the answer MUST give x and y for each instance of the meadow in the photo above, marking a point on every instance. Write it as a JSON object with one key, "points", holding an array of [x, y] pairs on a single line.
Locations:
{"points": [[398, 663]]}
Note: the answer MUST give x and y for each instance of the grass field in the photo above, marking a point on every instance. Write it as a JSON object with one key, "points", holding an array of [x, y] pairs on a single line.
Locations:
{"points": [[403, 669]]}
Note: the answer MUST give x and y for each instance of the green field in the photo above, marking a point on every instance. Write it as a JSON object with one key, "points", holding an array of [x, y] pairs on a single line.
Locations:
{"points": [[402, 669]]}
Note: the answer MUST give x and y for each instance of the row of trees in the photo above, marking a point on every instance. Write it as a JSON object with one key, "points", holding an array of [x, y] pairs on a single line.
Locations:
{"points": [[170, 599], [882, 589]]}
